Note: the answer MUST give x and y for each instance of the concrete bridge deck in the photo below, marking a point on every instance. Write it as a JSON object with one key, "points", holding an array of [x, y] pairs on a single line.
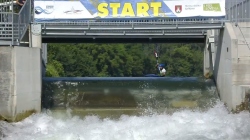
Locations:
{"points": [[129, 31]]}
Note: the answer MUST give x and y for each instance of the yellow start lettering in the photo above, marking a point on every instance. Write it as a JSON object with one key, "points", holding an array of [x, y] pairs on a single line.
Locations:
{"points": [[115, 7], [103, 11], [127, 9], [142, 9]]}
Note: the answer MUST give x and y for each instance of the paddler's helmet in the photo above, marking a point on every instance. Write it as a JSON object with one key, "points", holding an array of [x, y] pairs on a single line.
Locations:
{"points": [[162, 65]]}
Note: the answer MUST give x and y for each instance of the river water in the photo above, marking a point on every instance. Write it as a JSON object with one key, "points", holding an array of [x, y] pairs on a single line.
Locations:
{"points": [[129, 109]]}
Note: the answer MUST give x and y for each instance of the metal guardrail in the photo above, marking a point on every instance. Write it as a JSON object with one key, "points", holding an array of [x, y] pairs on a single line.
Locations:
{"points": [[238, 10], [24, 19], [244, 37], [13, 25], [163, 24], [7, 19]]}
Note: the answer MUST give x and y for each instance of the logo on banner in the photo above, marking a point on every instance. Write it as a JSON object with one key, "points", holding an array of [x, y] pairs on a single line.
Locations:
{"points": [[48, 9], [73, 11], [178, 8], [212, 7]]}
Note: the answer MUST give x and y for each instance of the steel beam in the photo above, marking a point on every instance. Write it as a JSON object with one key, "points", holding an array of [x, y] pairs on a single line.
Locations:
{"points": [[127, 39], [133, 26]]}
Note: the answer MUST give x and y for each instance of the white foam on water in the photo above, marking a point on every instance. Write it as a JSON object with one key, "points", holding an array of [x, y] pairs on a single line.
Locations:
{"points": [[214, 124], [167, 92]]}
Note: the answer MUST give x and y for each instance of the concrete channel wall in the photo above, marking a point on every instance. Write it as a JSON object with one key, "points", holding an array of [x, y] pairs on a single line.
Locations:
{"points": [[232, 66], [20, 82]]}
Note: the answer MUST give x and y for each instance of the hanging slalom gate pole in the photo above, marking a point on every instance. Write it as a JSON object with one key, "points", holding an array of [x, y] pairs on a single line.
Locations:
{"points": [[156, 54]]}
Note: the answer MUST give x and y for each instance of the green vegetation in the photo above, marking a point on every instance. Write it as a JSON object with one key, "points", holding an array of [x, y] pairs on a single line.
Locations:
{"points": [[113, 60]]}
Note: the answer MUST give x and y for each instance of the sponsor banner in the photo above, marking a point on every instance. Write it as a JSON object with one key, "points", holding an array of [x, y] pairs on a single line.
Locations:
{"points": [[113, 9]]}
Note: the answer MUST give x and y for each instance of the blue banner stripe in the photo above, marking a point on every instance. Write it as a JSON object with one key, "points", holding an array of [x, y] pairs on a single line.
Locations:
{"points": [[165, 8], [88, 5]]}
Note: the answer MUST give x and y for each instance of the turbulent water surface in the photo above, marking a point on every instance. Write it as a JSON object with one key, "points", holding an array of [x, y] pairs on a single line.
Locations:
{"points": [[197, 115], [214, 124]]}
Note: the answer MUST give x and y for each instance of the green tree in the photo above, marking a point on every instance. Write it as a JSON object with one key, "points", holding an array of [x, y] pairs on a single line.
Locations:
{"points": [[54, 69], [104, 60]]}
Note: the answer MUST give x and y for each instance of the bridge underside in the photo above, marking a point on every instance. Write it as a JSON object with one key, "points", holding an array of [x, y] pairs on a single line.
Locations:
{"points": [[128, 32], [126, 39]]}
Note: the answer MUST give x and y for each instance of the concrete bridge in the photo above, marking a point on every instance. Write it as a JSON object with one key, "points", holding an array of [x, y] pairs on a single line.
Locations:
{"points": [[23, 38]]}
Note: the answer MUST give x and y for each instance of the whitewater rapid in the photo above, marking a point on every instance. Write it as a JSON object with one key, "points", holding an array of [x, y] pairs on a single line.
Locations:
{"points": [[214, 124]]}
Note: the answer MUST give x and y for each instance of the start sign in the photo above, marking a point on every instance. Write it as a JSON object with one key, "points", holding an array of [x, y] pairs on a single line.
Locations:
{"points": [[78, 10], [127, 9]]}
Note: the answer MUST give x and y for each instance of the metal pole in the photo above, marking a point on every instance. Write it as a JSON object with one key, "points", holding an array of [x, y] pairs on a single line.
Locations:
{"points": [[236, 12], [30, 8], [242, 8], [12, 25]]}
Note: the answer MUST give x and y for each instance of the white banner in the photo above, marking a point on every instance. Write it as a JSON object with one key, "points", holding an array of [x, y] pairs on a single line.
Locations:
{"points": [[202, 8], [89, 9]]}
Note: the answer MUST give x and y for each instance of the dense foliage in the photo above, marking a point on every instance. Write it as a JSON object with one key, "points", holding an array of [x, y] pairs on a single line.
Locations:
{"points": [[112, 60]]}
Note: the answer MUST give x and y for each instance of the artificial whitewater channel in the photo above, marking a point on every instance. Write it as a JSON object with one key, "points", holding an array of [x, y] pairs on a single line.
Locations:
{"points": [[146, 108]]}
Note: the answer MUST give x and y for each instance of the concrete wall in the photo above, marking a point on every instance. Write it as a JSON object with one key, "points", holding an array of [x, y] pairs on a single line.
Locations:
{"points": [[232, 66], [208, 63], [241, 63], [20, 82], [44, 58]]}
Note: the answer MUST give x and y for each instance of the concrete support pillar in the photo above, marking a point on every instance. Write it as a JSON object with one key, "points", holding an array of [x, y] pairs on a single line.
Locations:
{"points": [[20, 82], [36, 42], [44, 52], [36, 35], [212, 48], [206, 63], [208, 58], [44, 58], [232, 68]]}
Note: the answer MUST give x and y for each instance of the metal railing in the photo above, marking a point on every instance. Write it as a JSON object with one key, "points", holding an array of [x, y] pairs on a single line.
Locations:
{"points": [[13, 25], [238, 10], [136, 21], [24, 18], [7, 18], [244, 38]]}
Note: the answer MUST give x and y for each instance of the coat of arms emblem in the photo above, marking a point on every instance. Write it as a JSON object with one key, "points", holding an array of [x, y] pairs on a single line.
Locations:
{"points": [[178, 8]]}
